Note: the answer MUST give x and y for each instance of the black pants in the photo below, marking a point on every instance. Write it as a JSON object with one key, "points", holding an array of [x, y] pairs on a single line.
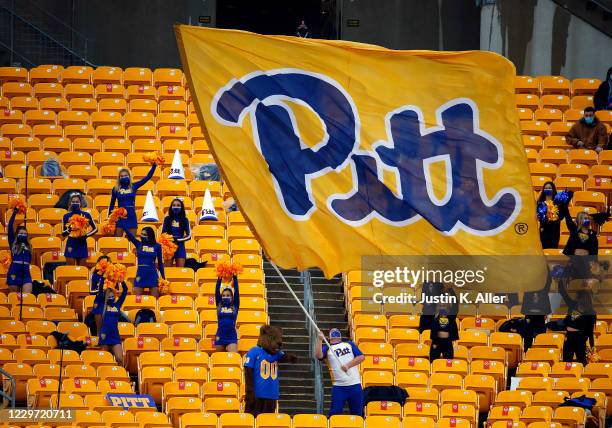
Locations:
{"points": [[441, 348], [534, 325], [260, 405], [575, 343]]}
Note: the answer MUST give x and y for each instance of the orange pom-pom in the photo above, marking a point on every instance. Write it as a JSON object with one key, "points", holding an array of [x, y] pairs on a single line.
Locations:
{"points": [[5, 260], [118, 213], [79, 226], [163, 287], [114, 273], [153, 158], [108, 228], [101, 266], [18, 204], [226, 270], [168, 246]]}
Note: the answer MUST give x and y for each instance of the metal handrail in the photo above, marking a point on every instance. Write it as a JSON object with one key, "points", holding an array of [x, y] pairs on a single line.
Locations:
{"points": [[47, 35], [312, 334], [33, 5], [11, 397], [14, 52]]}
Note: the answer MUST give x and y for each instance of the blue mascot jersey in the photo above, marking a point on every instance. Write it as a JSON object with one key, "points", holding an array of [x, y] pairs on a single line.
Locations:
{"points": [[265, 372]]}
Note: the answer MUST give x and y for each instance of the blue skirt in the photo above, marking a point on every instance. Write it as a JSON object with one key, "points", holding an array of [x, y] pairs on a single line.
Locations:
{"points": [[18, 274], [98, 304], [76, 248], [181, 252], [130, 222], [226, 336], [109, 336], [146, 277]]}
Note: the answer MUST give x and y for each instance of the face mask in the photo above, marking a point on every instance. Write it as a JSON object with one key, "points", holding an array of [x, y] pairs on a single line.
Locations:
{"points": [[586, 222], [144, 238], [226, 301], [75, 207], [22, 239], [548, 192], [589, 119], [176, 210], [124, 181]]}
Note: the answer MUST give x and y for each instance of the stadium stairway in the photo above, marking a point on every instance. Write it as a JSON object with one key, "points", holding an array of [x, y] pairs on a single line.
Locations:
{"points": [[330, 312], [297, 394]]}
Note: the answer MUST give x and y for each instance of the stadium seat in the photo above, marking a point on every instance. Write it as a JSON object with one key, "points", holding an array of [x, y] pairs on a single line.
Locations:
{"points": [[346, 421]]}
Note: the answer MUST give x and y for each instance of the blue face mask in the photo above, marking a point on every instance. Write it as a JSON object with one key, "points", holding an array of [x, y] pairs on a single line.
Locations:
{"points": [[589, 119], [548, 192], [124, 181], [226, 301], [75, 207], [586, 222], [176, 210], [22, 239]]}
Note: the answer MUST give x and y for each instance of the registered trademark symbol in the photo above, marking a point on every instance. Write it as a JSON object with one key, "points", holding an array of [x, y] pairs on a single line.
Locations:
{"points": [[521, 228]]}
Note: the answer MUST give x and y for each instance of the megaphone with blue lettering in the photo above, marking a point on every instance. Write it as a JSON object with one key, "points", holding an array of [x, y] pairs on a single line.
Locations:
{"points": [[177, 172], [149, 213], [208, 208]]}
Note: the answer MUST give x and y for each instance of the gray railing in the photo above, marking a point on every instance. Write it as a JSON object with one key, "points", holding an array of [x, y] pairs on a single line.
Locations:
{"points": [[5, 396], [33, 36], [312, 334]]}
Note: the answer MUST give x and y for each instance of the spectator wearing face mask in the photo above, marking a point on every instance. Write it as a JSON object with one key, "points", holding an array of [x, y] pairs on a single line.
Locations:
{"points": [[548, 216], [228, 305], [588, 132], [75, 249], [603, 96]]}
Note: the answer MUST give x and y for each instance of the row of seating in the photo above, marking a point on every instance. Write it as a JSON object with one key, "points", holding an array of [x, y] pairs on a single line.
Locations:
{"points": [[82, 73], [98, 92]]}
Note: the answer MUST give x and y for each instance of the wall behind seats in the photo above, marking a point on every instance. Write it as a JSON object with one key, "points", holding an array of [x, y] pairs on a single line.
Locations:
{"points": [[542, 38]]}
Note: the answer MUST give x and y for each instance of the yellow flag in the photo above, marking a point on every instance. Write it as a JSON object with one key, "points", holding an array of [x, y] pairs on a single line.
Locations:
{"points": [[338, 151]]}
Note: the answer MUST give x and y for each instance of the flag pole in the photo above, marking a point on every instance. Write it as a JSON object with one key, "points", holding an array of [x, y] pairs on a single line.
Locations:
{"points": [[308, 317]]}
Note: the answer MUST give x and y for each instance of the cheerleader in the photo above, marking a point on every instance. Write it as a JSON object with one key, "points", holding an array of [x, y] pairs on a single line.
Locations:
{"points": [[148, 252], [535, 308], [18, 277], [109, 337], [228, 304], [428, 313], [581, 243], [75, 250], [124, 193], [548, 216], [579, 324], [96, 288], [177, 225]]}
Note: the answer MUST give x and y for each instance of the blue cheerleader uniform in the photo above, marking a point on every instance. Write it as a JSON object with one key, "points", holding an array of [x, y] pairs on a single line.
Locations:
{"points": [[226, 316], [19, 271], [146, 273], [125, 197], [180, 230], [76, 248], [97, 288], [109, 332]]}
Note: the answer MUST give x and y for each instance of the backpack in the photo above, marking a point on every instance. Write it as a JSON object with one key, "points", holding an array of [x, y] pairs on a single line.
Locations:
{"points": [[51, 168], [144, 315]]}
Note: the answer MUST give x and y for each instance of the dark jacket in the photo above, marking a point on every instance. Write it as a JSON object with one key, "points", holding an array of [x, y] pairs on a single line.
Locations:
{"points": [[603, 95], [593, 135]]}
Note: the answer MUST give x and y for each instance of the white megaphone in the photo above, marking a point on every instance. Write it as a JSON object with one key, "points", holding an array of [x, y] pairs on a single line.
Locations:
{"points": [[177, 172], [208, 209], [149, 213]]}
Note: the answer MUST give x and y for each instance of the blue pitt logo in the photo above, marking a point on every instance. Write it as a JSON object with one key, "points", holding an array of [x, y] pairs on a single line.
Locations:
{"points": [[409, 151]]}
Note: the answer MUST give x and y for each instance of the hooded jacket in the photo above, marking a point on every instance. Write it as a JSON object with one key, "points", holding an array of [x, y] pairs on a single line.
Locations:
{"points": [[603, 95], [593, 135]]}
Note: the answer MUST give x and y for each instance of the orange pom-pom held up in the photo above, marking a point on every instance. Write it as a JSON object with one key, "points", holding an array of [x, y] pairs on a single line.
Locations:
{"points": [[168, 246], [227, 270], [115, 272], [79, 226], [101, 266], [18, 204], [153, 158]]}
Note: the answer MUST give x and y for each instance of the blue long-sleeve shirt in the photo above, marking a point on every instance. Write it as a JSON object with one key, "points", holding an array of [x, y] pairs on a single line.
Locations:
{"points": [[147, 254], [125, 196], [226, 316], [24, 256], [177, 227]]}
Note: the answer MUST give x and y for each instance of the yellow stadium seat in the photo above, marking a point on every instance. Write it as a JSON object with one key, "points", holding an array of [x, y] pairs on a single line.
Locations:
{"points": [[179, 389], [574, 170], [570, 417], [48, 89], [383, 408], [115, 105], [13, 74], [85, 105], [114, 373], [380, 378], [421, 409], [199, 420], [582, 86], [406, 379], [559, 128], [176, 344], [151, 419], [524, 113], [220, 405], [79, 90], [596, 200], [156, 359], [55, 104], [572, 384], [561, 102], [152, 380], [471, 338], [504, 413], [548, 115], [178, 406], [536, 414], [17, 89], [535, 384], [533, 368], [484, 386], [562, 369], [137, 76], [346, 421], [79, 131], [39, 391]]}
